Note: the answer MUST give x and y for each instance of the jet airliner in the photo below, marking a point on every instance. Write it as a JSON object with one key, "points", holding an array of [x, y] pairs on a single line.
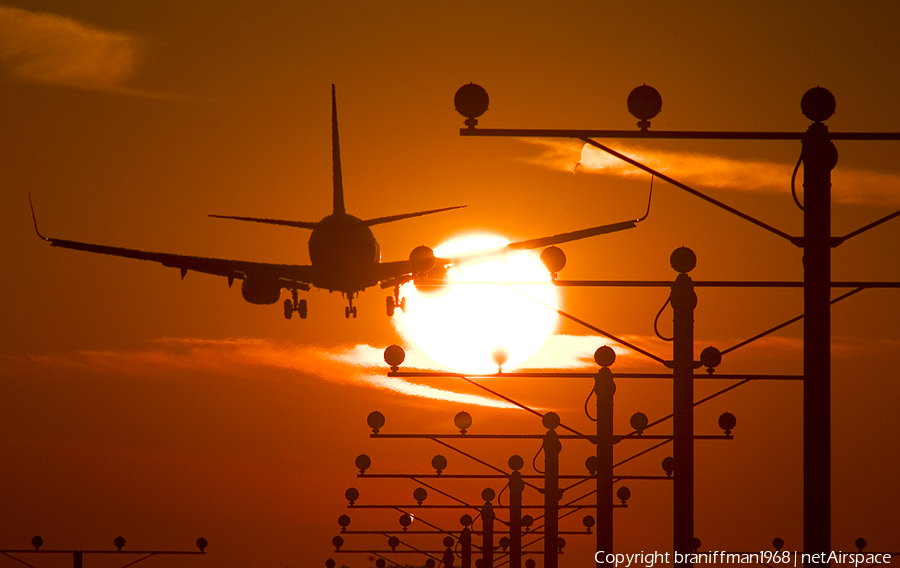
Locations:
{"points": [[344, 255]]}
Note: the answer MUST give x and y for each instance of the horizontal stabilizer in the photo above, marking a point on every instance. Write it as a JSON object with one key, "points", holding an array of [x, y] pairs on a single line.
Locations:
{"points": [[299, 224], [392, 218]]}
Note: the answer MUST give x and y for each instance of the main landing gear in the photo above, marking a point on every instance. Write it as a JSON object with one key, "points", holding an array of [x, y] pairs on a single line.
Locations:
{"points": [[351, 309], [294, 305], [394, 302]]}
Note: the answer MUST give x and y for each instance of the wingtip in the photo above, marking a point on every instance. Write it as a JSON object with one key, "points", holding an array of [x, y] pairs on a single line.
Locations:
{"points": [[34, 218], [649, 201]]}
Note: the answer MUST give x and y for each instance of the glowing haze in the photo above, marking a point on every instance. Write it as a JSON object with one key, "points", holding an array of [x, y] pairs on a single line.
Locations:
{"points": [[460, 328]]}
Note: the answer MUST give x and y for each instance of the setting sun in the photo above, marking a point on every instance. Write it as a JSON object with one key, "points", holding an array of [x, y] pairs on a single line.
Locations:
{"points": [[459, 327]]}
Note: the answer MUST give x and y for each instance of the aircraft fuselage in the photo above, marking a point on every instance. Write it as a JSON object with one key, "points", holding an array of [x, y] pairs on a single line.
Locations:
{"points": [[344, 254]]}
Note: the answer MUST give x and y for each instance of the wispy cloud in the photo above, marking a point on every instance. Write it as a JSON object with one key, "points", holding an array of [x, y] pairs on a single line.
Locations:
{"points": [[359, 365], [363, 365], [52, 49], [708, 171]]}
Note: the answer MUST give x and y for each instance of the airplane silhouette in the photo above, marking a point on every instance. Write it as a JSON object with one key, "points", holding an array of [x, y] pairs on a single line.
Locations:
{"points": [[344, 255]]}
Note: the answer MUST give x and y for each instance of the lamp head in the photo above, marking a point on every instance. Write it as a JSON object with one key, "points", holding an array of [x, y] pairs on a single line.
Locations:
{"points": [[471, 101], [605, 356], [500, 355], [818, 104], [462, 421], [394, 355], [363, 462], [375, 420], [439, 463]]}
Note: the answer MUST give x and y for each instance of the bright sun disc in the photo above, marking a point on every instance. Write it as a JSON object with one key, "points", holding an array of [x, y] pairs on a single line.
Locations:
{"points": [[459, 328]]}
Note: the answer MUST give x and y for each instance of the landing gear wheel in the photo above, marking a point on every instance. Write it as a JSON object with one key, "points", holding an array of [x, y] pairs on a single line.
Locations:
{"points": [[389, 303], [351, 309], [294, 305], [394, 302], [301, 309]]}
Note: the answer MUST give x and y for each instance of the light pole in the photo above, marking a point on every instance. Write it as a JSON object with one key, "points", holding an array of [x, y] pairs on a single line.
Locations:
{"points": [[819, 157], [683, 300], [552, 448], [516, 487], [487, 529], [604, 390]]}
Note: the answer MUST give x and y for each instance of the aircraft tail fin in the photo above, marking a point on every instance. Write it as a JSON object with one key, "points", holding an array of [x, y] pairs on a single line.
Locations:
{"points": [[336, 158], [392, 218]]}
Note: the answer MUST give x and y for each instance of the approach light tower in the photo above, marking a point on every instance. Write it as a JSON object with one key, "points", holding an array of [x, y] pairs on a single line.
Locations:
{"points": [[819, 156]]}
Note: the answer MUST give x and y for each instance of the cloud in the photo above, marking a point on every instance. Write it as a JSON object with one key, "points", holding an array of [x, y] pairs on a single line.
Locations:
{"points": [[363, 365], [360, 365], [708, 171], [52, 49]]}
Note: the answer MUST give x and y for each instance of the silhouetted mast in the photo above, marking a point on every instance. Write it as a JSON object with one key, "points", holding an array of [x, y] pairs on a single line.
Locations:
{"points": [[336, 158]]}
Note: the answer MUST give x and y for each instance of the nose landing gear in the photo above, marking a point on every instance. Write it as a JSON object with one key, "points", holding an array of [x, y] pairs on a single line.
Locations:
{"points": [[351, 309], [295, 305]]}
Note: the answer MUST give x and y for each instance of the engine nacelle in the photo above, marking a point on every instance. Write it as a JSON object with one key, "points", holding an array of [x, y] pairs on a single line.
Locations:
{"points": [[261, 291], [435, 282], [421, 260]]}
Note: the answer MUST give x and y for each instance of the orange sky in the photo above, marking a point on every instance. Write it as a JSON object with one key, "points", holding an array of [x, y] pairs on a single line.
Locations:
{"points": [[136, 404]]}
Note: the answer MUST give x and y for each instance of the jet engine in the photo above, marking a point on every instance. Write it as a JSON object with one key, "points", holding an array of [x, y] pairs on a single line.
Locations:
{"points": [[260, 290], [421, 260], [429, 277]]}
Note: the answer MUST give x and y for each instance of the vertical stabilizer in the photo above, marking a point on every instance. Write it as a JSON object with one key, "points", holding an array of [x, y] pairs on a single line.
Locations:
{"points": [[336, 158]]}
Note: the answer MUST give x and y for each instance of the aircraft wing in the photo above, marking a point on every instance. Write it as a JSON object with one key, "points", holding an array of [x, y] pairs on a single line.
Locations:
{"points": [[402, 271], [530, 244], [394, 273], [475, 257], [289, 275]]}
